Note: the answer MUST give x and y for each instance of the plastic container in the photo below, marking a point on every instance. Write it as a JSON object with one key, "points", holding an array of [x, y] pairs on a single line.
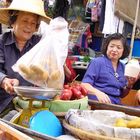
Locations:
{"points": [[132, 69]]}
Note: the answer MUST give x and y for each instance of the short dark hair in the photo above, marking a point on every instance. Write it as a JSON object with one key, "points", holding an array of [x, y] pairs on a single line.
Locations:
{"points": [[13, 17], [116, 36]]}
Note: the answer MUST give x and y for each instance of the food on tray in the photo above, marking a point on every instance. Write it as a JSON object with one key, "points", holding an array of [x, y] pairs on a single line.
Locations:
{"points": [[54, 84], [76, 93], [73, 91], [25, 70], [66, 94], [34, 72], [55, 75], [39, 73], [45, 76], [37, 69], [120, 122], [134, 123]]}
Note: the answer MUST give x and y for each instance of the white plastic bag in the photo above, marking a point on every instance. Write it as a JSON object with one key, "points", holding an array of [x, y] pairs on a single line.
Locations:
{"points": [[43, 64]]}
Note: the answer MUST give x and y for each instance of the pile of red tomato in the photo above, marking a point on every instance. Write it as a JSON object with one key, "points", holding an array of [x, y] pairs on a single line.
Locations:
{"points": [[73, 91]]}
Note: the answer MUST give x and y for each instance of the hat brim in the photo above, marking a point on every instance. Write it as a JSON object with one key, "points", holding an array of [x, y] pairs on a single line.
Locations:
{"points": [[4, 15]]}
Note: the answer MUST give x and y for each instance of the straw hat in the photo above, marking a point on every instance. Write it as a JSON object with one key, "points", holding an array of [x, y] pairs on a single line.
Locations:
{"points": [[32, 6]]}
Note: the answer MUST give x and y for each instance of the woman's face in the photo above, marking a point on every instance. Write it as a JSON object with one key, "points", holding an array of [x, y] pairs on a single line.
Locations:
{"points": [[115, 50], [25, 25]]}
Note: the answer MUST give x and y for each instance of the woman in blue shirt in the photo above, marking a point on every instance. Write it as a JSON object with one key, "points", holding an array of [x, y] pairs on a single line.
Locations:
{"points": [[104, 78]]}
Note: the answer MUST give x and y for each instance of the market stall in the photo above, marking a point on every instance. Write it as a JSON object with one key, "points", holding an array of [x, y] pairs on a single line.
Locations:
{"points": [[44, 110]]}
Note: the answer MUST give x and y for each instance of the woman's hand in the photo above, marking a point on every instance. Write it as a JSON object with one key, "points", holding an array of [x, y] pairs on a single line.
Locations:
{"points": [[103, 98], [7, 85], [131, 81]]}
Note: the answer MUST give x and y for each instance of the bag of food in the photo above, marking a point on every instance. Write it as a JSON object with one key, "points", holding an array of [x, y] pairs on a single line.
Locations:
{"points": [[43, 64]]}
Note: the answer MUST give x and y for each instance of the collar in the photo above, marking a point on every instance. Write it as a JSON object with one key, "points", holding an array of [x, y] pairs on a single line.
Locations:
{"points": [[109, 63], [11, 39]]}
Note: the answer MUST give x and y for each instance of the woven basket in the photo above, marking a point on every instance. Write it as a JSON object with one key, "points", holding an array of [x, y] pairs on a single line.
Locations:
{"points": [[84, 135]]}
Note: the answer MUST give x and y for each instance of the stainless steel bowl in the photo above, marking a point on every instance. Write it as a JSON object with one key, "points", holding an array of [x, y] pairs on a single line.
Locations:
{"points": [[36, 92]]}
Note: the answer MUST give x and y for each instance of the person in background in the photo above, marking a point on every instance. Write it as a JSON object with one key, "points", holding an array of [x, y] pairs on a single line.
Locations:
{"points": [[61, 8], [70, 73], [104, 78], [24, 21]]}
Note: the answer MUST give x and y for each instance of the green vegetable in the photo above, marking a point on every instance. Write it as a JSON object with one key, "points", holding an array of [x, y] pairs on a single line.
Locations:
{"points": [[86, 59]]}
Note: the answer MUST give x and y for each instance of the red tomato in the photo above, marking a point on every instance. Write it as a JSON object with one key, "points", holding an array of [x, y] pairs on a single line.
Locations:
{"points": [[66, 94], [75, 84], [84, 91], [82, 96], [76, 93], [78, 87], [66, 86]]}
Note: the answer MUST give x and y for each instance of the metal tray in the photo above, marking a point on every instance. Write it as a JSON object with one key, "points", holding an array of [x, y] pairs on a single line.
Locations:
{"points": [[36, 92]]}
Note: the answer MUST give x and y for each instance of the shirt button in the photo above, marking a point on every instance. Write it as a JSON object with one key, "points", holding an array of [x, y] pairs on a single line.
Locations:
{"points": [[118, 90]]}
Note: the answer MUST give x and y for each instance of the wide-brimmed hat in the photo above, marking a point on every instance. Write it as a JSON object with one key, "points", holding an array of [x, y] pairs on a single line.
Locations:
{"points": [[32, 6]]}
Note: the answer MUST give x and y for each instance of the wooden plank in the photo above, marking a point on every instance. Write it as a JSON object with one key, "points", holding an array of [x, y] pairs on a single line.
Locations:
{"points": [[29, 132], [128, 110], [11, 133]]}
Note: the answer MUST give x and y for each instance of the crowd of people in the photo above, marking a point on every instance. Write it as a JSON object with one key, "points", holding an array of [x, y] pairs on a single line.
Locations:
{"points": [[104, 78]]}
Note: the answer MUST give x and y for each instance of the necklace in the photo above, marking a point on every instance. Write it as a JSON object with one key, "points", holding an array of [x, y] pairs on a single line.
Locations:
{"points": [[116, 75]]}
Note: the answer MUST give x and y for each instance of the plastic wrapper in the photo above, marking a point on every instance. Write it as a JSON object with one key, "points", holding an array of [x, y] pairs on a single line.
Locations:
{"points": [[43, 64], [102, 122]]}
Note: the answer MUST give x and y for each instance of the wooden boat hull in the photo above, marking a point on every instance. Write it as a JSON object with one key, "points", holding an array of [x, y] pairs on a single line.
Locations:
{"points": [[33, 134], [126, 109]]}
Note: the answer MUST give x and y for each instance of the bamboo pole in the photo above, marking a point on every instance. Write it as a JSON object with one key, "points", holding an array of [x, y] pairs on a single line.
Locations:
{"points": [[134, 29]]}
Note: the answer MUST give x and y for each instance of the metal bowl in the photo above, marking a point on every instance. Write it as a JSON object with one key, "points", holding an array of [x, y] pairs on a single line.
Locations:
{"points": [[36, 92]]}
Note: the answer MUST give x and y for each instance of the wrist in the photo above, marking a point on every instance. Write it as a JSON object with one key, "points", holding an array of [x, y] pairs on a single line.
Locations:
{"points": [[3, 82]]}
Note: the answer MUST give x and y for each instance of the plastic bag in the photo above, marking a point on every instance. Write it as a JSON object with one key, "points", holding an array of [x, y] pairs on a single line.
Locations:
{"points": [[43, 64]]}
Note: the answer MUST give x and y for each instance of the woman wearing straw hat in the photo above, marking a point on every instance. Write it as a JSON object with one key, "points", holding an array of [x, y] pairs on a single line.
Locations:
{"points": [[24, 17]]}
